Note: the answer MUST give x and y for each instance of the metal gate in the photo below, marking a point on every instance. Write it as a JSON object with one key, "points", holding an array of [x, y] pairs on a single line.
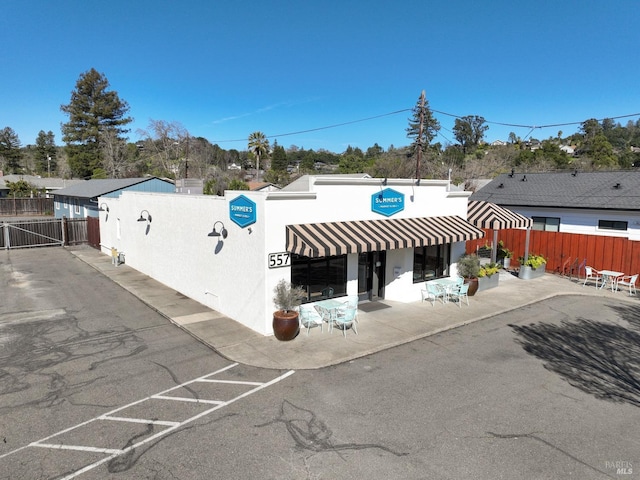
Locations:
{"points": [[42, 233]]}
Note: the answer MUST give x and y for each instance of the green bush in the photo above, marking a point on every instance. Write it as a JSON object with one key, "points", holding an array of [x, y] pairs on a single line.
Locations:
{"points": [[488, 270], [534, 261], [469, 266]]}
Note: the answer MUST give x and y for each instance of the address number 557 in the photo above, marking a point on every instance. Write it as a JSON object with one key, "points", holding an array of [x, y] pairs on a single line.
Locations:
{"points": [[277, 260]]}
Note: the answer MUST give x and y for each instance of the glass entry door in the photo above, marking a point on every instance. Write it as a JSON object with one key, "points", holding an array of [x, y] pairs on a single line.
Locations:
{"points": [[371, 268]]}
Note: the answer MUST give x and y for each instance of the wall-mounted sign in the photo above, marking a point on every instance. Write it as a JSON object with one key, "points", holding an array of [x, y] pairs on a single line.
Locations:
{"points": [[277, 260], [242, 211], [387, 202]]}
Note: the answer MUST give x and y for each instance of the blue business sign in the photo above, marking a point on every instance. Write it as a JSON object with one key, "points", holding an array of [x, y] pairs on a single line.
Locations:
{"points": [[242, 211], [387, 202]]}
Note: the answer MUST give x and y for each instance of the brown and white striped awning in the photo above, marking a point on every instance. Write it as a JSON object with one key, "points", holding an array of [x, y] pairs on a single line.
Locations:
{"points": [[490, 215], [339, 238]]}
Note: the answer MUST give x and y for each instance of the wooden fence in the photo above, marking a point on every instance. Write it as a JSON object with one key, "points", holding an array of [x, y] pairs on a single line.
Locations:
{"points": [[562, 249], [22, 207], [41, 233]]}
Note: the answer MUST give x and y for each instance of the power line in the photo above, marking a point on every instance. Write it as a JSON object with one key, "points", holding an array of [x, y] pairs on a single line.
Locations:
{"points": [[321, 128], [516, 125]]}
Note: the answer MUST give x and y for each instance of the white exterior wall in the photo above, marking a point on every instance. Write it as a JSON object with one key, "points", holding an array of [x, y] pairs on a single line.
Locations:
{"points": [[235, 279], [586, 221]]}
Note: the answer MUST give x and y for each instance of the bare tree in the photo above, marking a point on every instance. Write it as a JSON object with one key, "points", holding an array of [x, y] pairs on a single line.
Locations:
{"points": [[164, 140], [114, 153]]}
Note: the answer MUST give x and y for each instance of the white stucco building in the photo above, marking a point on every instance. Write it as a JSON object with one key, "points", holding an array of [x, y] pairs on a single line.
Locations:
{"points": [[334, 235]]}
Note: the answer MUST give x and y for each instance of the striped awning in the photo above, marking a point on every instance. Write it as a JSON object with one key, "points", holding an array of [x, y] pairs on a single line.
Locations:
{"points": [[490, 215], [339, 238]]}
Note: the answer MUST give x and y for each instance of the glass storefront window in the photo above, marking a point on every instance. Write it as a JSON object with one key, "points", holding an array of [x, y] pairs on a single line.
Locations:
{"points": [[431, 262], [321, 277]]}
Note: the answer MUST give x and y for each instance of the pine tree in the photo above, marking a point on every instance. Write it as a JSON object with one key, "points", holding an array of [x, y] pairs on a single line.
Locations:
{"points": [[10, 153], [423, 128], [92, 111], [46, 153]]}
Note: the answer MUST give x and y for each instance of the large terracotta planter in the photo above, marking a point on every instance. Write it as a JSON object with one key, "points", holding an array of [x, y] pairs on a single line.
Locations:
{"points": [[473, 286], [286, 325]]}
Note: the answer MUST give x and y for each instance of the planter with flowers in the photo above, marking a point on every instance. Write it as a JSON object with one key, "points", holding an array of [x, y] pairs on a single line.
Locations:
{"points": [[532, 267], [488, 276]]}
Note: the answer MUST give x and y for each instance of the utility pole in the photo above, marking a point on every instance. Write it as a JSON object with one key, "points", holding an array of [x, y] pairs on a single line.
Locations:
{"points": [[420, 135]]}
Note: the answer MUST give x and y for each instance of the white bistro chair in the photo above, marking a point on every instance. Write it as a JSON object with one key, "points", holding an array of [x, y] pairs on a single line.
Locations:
{"points": [[592, 275], [628, 281]]}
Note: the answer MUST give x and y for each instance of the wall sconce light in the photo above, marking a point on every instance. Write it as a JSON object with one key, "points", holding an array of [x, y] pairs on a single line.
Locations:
{"points": [[384, 182], [575, 172], [143, 218], [417, 182], [218, 233], [105, 209]]}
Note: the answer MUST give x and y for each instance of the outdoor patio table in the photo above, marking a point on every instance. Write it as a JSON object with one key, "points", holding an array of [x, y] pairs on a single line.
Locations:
{"points": [[609, 276], [447, 284], [332, 305]]}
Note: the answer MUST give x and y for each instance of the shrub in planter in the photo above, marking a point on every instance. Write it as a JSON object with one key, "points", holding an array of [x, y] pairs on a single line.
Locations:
{"points": [[469, 269], [488, 276], [504, 255], [286, 298]]}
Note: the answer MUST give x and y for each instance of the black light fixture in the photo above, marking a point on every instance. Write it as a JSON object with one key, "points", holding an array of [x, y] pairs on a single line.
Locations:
{"points": [[105, 209], [512, 172], [384, 182], [218, 233], [143, 218], [524, 178], [575, 173], [418, 182]]}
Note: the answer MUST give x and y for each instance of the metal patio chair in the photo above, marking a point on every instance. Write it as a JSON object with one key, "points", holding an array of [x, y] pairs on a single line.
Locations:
{"points": [[346, 318]]}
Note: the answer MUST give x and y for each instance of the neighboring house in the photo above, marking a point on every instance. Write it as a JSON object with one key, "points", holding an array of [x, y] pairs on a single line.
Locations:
{"points": [[81, 200], [48, 184], [498, 143], [591, 203], [262, 187]]}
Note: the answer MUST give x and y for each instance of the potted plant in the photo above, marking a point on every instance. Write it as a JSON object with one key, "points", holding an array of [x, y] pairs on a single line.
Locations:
{"points": [[488, 276], [469, 268], [504, 254], [286, 298], [531, 267]]}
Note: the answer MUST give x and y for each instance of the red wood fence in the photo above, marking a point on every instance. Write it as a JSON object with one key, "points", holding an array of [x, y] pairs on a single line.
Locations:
{"points": [[562, 249]]}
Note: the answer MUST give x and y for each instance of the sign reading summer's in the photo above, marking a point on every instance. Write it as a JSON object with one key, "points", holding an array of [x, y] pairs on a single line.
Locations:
{"points": [[242, 211], [387, 202]]}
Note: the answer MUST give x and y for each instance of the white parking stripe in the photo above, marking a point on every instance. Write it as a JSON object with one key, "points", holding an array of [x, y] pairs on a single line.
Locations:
{"points": [[231, 382], [185, 399], [80, 448], [172, 426], [139, 420]]}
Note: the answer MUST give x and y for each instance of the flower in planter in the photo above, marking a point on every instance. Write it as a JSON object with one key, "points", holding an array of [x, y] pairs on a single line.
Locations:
{"points": [[488, 270], [503, 252], [534, 261]]}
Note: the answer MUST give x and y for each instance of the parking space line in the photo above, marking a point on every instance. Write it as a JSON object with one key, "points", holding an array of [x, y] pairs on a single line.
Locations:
{"points": [[140, 420], [80, 448], [186, 399], [231, 382]]}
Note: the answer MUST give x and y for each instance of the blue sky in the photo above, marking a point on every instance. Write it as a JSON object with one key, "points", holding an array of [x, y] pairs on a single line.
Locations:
{"points": [[224, 69]]}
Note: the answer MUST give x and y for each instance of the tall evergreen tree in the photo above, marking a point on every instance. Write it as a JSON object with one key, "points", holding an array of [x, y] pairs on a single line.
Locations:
{"points": [[46, 153], [279, 161], [423, 128], [10, 153], [92, 111]]}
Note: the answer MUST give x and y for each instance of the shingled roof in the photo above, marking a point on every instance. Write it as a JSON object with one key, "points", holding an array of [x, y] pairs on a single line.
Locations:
{"points": [[98, 187], [618, 190]]}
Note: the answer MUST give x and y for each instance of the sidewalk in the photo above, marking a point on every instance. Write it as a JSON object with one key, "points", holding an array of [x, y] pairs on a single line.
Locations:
{"points": [[381, 325]]}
